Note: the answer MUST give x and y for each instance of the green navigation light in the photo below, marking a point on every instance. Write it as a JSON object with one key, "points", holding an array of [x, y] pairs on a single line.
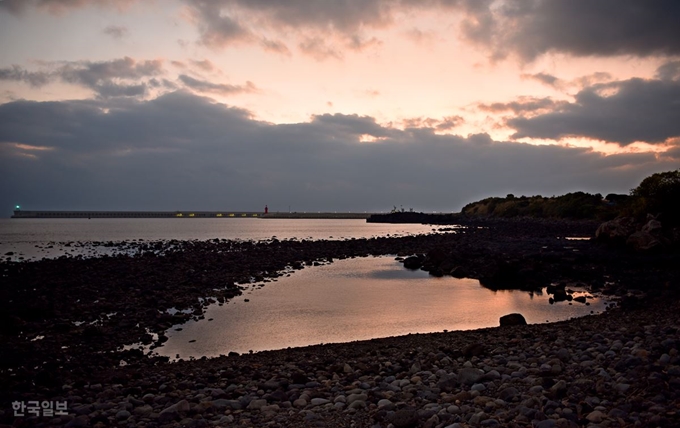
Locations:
{"points": [[18, 207]]}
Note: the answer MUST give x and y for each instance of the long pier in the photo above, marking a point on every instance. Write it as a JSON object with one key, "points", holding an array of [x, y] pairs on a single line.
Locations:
{"points": [[188, 214]]}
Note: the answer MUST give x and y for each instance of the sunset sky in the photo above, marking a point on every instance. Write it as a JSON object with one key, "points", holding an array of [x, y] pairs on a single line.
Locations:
{"points": [[332, 104]]}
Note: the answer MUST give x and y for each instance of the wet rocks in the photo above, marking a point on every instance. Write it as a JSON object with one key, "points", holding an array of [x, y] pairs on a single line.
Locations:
{"points": [[512, 319], [173, 412], [413, 262], [469, 375], [621, 368], [643, 241], [617, 230]]}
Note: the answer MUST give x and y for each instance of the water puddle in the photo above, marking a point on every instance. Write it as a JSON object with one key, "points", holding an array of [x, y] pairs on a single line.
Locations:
{"points": [[357, 299]]}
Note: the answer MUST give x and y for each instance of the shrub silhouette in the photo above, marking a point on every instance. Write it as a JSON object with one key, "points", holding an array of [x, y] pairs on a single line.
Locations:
{"points": [[659, 194]]}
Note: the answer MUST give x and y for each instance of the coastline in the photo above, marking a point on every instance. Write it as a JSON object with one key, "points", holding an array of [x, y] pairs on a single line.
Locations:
{"points": [[617, 369], [141, 287]]}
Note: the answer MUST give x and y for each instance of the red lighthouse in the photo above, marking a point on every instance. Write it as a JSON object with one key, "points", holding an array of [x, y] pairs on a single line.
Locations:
{"points": [[266, 209]]}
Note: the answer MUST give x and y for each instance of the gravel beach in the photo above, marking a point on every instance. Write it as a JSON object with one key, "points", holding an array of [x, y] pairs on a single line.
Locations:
{"points": [[620, 368]]}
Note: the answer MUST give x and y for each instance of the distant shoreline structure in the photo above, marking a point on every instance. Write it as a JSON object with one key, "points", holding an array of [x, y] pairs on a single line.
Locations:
{"points": [[188, 214]]}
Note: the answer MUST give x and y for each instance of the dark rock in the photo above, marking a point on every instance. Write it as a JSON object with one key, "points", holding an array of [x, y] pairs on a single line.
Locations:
{"points": [[405, 418], [459, 272], [512, 319], [473, 350], [447, 383], [80, 421], [413, 263], [617, 230], [643, 241], [172, 412], [653, 227], [436, 272], [508, 394], [469, 376]]}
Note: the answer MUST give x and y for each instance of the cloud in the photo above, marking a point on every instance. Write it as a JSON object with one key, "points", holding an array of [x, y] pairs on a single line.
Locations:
{"points": [[524, 105], [669, 71], [672, 153], [319, 49], [218, 88], [59, 7], [205, 65], [531, 28], [216, 30], [443, 124], [350, 125], [358, 43], [345, 16], [546, 79], [419, 36], [182, 151], [591, 79], [116, 31], [526, 28], [105, 77], [320, 29], [275, 46], [114, 78], [577, 83], [622, 112], [18, 74]]}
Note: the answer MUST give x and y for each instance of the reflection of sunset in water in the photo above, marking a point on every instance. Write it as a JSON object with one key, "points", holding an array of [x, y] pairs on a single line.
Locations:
{"points": [[357, 299]]}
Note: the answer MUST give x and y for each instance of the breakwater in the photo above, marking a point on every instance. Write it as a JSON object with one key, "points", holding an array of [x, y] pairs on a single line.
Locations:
{"points": [[188, 214]]}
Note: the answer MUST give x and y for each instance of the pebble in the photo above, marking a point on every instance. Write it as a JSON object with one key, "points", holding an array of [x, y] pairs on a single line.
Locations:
{"points": [[547, 376], [319, 401]]}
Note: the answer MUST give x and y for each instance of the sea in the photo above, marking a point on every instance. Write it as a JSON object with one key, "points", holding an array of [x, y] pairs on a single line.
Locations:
{"points": [[344, 301]]}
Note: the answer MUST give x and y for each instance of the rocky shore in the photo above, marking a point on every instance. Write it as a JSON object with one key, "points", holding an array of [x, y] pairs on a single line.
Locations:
{"points": [[617, 369]]}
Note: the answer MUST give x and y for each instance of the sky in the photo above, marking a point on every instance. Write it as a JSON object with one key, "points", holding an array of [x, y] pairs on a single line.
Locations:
{"points": [[332, 105]]}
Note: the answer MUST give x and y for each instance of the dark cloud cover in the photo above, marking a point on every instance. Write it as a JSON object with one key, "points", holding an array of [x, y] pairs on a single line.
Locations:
{"points": [[527, 28], [114, 78], [60, 6], [669, 71], [622, 112], [182, 151], [531, 28]]}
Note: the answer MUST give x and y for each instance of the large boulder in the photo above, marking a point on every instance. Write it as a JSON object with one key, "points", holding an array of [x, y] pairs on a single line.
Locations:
{"points": [[643, 241], [653, 227], [617, 230], [512, 319]]}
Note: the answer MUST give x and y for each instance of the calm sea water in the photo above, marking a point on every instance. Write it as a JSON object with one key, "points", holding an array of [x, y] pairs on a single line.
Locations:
{"points": [[29, 238], [347, 300], [356, 299]]}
